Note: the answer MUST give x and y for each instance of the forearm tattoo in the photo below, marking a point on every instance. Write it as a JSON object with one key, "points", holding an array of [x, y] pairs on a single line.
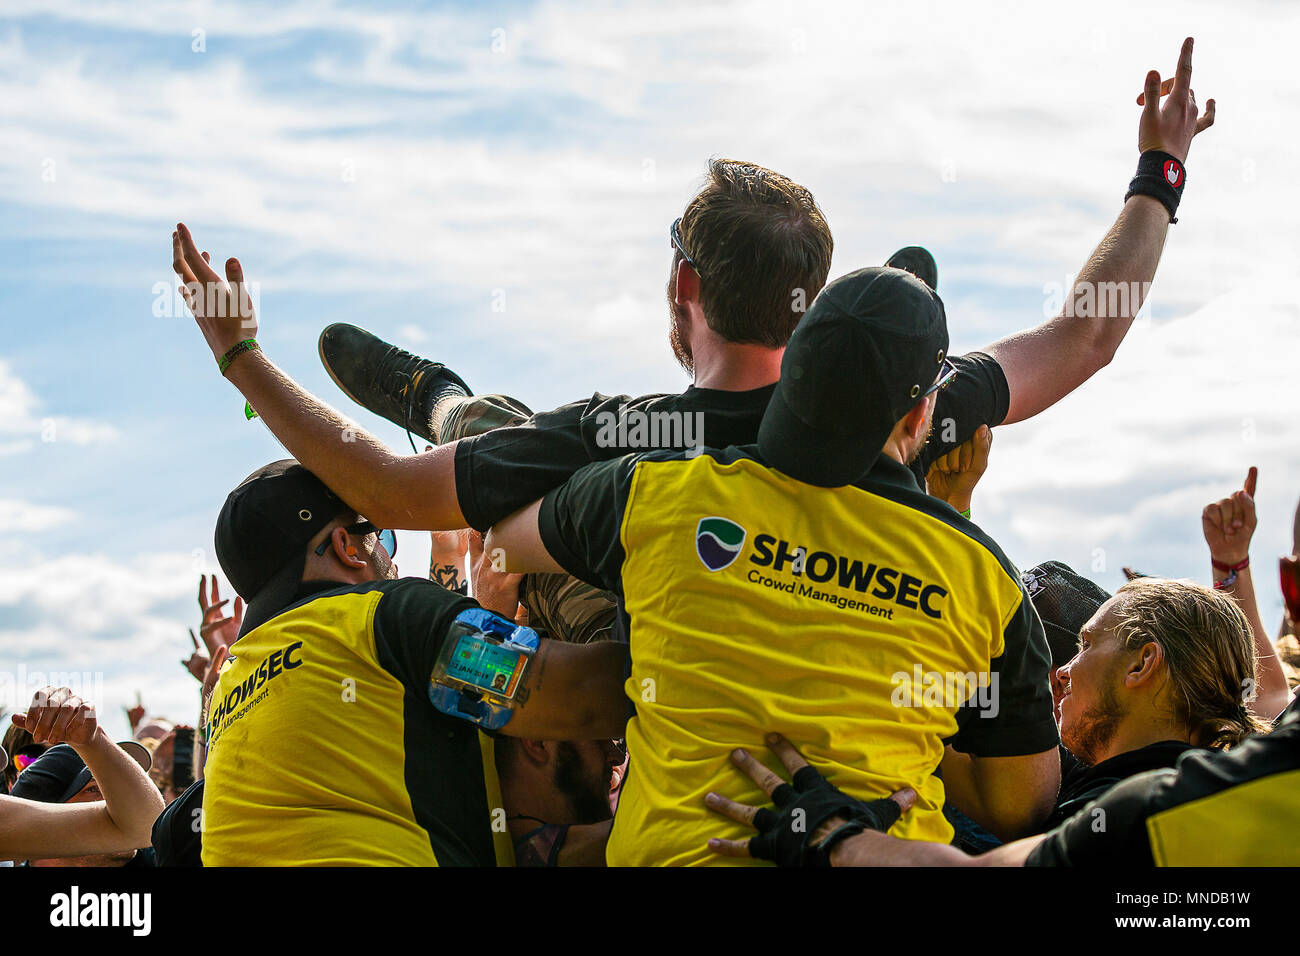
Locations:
{"points": [[448, 575]]}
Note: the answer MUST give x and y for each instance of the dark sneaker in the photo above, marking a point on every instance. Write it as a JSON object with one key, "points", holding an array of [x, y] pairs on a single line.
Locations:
{"points": [[917, 261], [389, 381]]}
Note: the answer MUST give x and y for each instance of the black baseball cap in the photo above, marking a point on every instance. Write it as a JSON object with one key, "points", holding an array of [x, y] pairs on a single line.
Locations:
{"points": [[263, 531], [60, 774], [1065, 601], [872, 344]]}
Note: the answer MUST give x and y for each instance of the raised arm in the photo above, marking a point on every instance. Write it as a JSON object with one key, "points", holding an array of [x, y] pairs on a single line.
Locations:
{"points": [[122, 821], [416, 492], [1044, 364], [1228, 526]]}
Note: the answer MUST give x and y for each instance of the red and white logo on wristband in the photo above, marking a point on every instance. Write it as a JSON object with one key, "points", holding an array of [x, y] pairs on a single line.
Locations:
{"points": [[1173, 173]]}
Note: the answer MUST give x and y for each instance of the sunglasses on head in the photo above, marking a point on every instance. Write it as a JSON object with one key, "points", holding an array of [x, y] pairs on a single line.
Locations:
{"points": [[386, 537], [675, 236], [947, 372]]}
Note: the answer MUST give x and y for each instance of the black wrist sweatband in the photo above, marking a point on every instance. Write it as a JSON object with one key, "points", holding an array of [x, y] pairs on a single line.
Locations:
{"points": [[1160, 176]]}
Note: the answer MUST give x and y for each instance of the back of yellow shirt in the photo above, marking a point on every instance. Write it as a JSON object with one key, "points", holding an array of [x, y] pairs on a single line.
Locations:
{"points": [[324, 750], [850, 620]]}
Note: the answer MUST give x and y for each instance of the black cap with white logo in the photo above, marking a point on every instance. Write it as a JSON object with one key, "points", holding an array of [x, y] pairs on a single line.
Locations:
{"points": [[1065, 601], [870, 347], [263, 531]]}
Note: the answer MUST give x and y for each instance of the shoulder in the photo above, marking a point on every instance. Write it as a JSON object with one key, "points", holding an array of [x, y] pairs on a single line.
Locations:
{"points": [[970, 536]]}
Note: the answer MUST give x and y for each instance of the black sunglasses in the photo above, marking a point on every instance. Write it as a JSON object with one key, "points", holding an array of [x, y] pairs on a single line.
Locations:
{"points": [[386, 537], [947, 372], [675, 236]]}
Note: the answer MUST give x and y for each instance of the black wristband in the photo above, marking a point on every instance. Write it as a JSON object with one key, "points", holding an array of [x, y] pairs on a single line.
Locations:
{"points": [[1160, 176]]}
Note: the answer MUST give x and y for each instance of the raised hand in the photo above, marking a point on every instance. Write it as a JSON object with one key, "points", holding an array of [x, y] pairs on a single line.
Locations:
{"points": [[136, 714], [58, 716], [215, 629], [222, 308], [1229, 523], [1171, 127], [197, 664]]}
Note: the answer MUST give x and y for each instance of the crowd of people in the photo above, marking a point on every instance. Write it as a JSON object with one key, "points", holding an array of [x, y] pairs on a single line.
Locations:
{"points": [[643, 614]]}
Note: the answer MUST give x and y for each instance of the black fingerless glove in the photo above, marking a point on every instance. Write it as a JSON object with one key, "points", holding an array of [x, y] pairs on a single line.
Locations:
{"points": [[803, 806]]}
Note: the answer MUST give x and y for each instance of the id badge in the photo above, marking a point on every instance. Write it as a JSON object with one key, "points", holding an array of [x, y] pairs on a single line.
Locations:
{"points": [[479, 669]]}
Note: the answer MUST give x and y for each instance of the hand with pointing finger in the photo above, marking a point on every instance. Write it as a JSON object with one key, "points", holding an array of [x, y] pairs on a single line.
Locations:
{"points": [[1171, 127], [811, 814], [1229, 523]]}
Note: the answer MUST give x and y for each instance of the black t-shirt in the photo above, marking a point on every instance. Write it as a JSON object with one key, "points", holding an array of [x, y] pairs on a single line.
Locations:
{"points": [[1218, 808], [501, 471], [977, 396], [1081, 783]]}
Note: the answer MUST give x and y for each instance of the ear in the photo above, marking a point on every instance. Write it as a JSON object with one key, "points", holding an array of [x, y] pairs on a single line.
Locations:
{"points": [[687, 284], [536, 752], [914, 422], [344, 550], [1146, 666]]}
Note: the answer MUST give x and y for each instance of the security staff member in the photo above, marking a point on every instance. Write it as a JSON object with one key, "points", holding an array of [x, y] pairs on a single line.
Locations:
{"points": [[323, 745], [808, 585]]}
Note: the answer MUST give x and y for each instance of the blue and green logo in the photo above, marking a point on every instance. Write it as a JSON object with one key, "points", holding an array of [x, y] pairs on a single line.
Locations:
{"points": [[718, 542]]}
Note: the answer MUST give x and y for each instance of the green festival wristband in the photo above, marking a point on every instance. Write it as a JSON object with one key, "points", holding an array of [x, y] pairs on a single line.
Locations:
{"points": [[236, 350]]}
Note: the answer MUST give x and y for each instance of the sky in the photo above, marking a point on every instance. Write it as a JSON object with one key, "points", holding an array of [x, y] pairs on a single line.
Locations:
{"points": [[491, 185]]}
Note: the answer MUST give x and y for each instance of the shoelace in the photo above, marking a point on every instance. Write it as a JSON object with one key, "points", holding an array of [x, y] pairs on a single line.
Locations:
{"points": [[392, 374]]}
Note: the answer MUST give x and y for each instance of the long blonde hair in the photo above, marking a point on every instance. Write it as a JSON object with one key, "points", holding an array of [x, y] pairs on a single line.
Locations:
{"points": [[1207, 644]]}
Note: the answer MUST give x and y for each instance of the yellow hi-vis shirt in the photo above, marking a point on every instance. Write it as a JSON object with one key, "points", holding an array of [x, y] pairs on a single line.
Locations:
{"points": [[324, 749], [867, 624]]}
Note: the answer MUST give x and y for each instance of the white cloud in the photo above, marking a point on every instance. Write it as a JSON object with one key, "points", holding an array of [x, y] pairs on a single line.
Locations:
{"points": [[20, 416], [1124, 465], [23, 516], [405, 155], [121, 621]]}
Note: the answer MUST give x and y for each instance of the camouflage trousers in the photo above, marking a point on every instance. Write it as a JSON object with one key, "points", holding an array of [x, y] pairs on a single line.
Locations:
{"points": [[559, 605]]}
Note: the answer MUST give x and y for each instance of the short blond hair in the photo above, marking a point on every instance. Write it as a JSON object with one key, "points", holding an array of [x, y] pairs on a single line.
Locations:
{"points": [[1208, 647]]}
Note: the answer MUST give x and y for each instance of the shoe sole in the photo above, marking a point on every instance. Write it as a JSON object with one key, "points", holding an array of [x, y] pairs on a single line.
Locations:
{"points": [[320, 350]]}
